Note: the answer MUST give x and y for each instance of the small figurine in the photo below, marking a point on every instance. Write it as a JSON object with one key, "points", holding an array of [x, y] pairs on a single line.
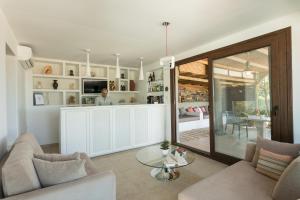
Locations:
{"points": [[112, 85], [39, 85], [48, 69]]}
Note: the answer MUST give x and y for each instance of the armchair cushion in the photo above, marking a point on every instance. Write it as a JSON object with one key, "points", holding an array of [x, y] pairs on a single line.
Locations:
{"points": [[275, 147], [287, 187], [250, 151], [52, 173], [18, 173], [29, 138], [57, 157]]}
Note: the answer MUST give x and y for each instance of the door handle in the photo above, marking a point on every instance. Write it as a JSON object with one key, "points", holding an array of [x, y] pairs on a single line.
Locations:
{"points": [[275, 111]]}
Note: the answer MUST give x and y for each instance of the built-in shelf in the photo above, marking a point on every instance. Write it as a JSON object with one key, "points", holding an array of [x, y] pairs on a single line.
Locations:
{"points": [[52, 90], [155, 93], [54, 76], [155, 88], [123, 91], [70, 86], [90, 95], [157, 81], [89, 77]]}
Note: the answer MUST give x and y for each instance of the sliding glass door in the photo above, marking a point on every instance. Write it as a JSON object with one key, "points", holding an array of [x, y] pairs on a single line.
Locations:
{"points": [[242, 103], [243, 92], [192, 103]]}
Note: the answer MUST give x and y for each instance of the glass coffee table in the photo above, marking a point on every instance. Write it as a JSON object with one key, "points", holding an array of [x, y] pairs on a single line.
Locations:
{"points": [[164, 165]]}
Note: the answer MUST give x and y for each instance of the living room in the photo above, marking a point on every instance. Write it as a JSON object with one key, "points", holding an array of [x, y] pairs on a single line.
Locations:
{"points": [[149, 100]]}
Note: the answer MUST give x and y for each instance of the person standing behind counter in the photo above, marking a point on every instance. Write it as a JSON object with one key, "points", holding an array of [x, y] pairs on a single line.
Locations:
{"points": [[103, 100]]}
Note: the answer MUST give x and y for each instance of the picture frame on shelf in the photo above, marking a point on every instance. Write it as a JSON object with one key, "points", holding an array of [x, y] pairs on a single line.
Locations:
{"points": [[38, 99]]}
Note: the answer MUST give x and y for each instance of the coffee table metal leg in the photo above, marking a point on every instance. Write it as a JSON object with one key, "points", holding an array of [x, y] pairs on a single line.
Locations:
{"points": [[164, 174]]}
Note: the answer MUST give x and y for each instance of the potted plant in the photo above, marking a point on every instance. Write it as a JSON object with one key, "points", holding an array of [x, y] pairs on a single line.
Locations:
{"points": [[165, 146]]}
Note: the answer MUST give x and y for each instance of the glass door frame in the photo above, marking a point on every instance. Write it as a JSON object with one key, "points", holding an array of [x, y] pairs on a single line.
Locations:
{"points": [[281, 87]]}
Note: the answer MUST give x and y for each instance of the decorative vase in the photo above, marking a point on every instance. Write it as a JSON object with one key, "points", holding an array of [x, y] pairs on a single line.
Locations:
{"points": [[132, 85], [165, 151], [71, 73], [55, 84], [72, 100], [39, 85], [93, 74]]}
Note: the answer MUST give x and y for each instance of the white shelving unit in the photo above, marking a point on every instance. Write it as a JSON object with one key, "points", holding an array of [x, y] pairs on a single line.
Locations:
{"points": [[70, 87], [155, 88]]}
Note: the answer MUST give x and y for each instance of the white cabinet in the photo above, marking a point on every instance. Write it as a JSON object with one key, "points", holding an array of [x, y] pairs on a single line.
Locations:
{"points": [[75, 127], [157, 124], [101, 131], [122, 128], [141, 123], [106, 129]]}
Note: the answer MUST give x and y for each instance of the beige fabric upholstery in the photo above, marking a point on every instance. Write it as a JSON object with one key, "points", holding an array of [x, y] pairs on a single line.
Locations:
{"points": [[276, 147], [52, 173], [288, 186], [239, 181], [90, 168], [18, 173], [57, 157], [271, 164], [101, 186], [29, 138], [250, 151], [95, 186]]}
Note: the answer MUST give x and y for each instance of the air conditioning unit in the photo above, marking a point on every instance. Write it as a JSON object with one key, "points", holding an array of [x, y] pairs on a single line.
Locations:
{"points": [[167, 62], [24, 57]]}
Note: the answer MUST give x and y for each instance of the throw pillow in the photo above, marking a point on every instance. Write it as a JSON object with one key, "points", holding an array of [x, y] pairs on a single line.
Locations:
{"points": [[18, 173], [276, 147], [53, 173], [272, 164], [57, 157], [203, 109], [190, 109]]}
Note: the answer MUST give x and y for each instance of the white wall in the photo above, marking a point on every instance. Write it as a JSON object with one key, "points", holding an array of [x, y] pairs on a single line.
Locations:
{"points": [[7, 39], [22, 128], [276, 24], [15, 99], [11, 100]]}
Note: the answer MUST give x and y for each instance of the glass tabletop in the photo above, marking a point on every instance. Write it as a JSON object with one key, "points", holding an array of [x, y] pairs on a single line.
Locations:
{"points": [[153, 156]]}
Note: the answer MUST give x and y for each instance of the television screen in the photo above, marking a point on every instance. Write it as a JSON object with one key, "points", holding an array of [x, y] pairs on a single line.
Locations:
{"points": [[93, 86]]}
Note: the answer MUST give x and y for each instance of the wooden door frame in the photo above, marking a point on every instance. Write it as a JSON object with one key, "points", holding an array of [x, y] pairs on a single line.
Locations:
{"points": [[282, 129]]}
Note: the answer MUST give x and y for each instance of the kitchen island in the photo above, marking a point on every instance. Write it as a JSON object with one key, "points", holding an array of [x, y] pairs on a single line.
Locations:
{"points": [[99, 130]]}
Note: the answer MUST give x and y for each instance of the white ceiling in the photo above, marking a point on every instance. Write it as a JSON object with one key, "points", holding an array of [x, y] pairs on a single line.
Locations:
{"points": [[60, 28]]}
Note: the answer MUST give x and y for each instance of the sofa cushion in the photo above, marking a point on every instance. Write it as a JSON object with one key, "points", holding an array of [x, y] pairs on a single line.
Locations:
{"points": [[272, 164], [90, 167], [250, 151], [53, 173], [287, 187], [275, 147], [18, 173], [57, 157], [30, 139], [190, 109], [239, 181]]}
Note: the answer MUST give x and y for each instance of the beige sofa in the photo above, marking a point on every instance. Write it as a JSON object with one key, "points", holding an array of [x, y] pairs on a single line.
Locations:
{"points": [[95, 186], [241, 182]]}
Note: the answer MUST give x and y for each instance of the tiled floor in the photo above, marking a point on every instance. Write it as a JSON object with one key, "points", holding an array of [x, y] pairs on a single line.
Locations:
{"points": [[227, 143], [197, 138], [135, 183]]}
